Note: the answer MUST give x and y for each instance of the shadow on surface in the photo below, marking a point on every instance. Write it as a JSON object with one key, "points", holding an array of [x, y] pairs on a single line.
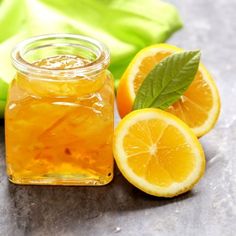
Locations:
{"points": [[1, 122], [37, 205]]}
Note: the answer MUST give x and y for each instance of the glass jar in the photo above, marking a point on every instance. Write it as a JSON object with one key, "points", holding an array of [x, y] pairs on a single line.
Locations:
{"points": [[59, 113]]}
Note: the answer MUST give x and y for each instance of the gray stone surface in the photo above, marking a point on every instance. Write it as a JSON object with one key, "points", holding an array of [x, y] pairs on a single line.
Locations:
{"points": [[119, 208]]}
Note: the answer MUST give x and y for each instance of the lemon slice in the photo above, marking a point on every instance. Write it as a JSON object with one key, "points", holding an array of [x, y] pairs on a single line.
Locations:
{"points": [[158, 153]]}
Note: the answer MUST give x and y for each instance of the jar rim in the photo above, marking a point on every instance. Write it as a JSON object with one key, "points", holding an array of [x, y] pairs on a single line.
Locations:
{"points": [[100, 63]]}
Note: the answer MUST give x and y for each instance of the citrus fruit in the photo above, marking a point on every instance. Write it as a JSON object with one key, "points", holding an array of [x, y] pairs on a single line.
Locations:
{"points": [[198, 107], [158, 153]]}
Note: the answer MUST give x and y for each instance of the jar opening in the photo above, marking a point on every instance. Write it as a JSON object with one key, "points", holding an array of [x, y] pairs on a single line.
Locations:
{"points": [[34, 49]]}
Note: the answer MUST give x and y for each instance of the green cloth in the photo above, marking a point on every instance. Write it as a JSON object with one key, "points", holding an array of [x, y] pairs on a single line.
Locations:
{"points": [[125, 26]]}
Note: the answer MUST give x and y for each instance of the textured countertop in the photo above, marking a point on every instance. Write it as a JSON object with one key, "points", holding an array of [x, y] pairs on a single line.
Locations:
{"points": [[119, 208]]}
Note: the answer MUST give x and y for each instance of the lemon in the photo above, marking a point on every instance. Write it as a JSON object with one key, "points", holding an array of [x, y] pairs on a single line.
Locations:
{"points": [[198, 107], [158, 153]]}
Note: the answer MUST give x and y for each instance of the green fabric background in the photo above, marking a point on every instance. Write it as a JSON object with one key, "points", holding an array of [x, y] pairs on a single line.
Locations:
{"points": [[125, 26]]}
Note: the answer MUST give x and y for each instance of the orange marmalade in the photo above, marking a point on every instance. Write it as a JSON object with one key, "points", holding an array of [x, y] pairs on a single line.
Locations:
{"points": [[59, 113]]}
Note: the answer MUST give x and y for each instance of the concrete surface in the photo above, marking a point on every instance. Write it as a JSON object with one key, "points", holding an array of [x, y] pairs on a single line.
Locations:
{"points": [[119, 208]]}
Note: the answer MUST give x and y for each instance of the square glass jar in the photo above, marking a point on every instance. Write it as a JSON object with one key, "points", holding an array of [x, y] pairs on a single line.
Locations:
{"points": [[59, 117]]}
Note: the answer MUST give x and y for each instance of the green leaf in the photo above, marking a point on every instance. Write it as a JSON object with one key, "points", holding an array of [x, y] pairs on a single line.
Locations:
{"points": [[165, 84]]}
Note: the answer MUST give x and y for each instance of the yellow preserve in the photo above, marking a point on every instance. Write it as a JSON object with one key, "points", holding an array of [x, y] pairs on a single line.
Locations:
{"points": [[59, 114]]}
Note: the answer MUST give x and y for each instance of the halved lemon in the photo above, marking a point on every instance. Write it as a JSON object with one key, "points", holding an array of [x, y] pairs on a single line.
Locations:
{"points": [[199, 107], [158, 153]]}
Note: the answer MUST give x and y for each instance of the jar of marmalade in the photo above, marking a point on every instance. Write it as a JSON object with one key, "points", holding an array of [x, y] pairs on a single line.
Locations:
{"points": [[59, 113]]}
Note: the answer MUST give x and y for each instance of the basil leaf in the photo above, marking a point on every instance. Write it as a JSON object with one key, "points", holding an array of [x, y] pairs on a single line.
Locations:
{"points": [[165, 84]]}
